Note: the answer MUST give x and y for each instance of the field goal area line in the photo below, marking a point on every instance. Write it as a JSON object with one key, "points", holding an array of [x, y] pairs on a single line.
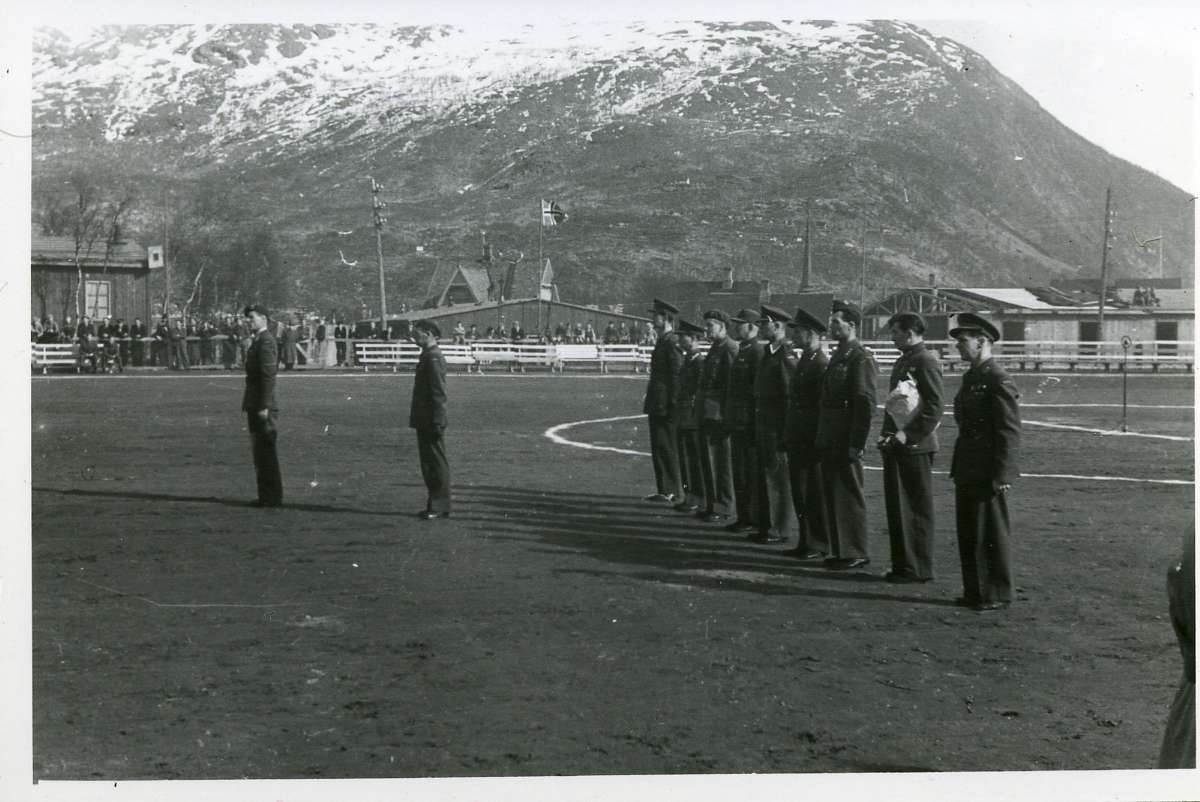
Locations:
{"points": [[553, 435]]}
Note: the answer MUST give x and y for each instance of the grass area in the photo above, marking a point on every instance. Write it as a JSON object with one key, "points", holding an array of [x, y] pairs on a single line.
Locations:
{"points": [[556, 624]]}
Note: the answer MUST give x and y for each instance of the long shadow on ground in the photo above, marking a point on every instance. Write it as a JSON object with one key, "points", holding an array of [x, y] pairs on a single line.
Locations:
{"points": [[616, 529]]}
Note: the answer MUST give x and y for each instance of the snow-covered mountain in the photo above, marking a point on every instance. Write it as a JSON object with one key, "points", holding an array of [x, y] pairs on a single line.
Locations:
{"points": [[679, 148]]}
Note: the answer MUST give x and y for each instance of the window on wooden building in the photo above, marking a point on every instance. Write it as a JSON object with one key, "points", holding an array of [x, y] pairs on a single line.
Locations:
{"points": [[97, 299]]}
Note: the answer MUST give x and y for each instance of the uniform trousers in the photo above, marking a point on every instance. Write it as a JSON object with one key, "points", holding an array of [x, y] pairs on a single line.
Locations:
{"points": [[808, 502], [263, 434], [748, 489], [775, 517], [664, 455], [691, 466], [908, 497], [981, 515], [717, 468], [435, 470], [845, 506]]}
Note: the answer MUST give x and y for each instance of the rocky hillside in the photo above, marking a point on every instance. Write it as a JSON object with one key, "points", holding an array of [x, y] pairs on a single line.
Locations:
{"points": [[678, 150]]}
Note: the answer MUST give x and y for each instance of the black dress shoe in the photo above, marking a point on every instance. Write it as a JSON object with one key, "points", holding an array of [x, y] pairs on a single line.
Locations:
{"points": [[988, 607], [764, 537], [963, 601], [897, 578], [712, 517], [846, 563], [429, 515], [737, 527], [806, 554]]}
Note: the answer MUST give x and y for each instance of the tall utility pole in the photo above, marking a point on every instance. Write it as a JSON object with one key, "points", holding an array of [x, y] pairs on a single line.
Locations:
{"points": [[377, 207], [166, 263], [862, 278], [1108, 218], [806, 276]]}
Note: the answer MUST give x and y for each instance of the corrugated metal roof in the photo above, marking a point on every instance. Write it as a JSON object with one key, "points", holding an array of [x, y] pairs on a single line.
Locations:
{"points": [[1013, 296]]}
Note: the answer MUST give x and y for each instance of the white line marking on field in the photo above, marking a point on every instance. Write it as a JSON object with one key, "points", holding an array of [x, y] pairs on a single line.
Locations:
{"points": [[553, 434], [1104, 432]]}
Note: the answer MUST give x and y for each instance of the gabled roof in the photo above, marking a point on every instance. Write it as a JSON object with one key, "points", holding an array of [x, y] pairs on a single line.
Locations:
{"points": [[449, 275], [60, 251]]}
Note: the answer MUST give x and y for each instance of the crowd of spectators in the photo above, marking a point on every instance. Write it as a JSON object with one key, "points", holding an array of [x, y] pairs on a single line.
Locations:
{"points": [[110, 344]]}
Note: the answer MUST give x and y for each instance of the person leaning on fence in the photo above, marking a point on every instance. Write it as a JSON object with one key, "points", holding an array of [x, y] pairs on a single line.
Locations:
{"points": [[340, 334], [687, 429], [659, 406], [984, 466], [287, 345], [258, 402], [907, 443], [428, 416]]}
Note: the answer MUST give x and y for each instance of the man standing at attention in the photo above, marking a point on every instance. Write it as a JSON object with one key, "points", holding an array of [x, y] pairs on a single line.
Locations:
{"points": [[748, 491], [659, 406], [258, 402], [907, 449], [984, 466], [772, 382], [804, 467], [687, 430], [428, 417], [847, 404], [710, 411]]}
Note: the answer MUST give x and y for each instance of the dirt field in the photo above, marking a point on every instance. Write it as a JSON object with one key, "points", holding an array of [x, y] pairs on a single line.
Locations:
{"points": [[556, 624]]}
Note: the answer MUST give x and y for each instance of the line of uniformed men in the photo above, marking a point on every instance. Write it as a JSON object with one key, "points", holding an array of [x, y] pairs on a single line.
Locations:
{"points": [[766, 430]]}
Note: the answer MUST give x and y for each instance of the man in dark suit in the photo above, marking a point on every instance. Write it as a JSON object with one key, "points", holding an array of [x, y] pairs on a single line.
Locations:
{"points": [[287, 345], [908, 449], [804, 466], [984, 466], [258, 402], [659, 405], [710, 401], [687, 427], [428, 417], [137, 348], [772, 380], [739, 421], [340, 333], [847, 404]]}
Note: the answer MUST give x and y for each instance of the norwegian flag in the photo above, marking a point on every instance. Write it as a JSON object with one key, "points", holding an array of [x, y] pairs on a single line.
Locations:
{"points": [[552, 213]]}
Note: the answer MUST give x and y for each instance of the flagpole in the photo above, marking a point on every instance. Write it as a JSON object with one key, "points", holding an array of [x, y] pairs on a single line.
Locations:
{"points": [[541, 224]]}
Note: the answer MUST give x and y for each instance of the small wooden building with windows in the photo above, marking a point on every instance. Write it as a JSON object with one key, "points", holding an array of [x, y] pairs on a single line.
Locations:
{"points": [[116, 280]]}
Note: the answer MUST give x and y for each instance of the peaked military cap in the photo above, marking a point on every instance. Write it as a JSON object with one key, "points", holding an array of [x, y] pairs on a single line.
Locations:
{"points": [[429, 326], [745, 316], [850, 312], [690, 329], [803, 320], [909, 321], [971, 323], [661, 307], [717, 314], [771, 313]]}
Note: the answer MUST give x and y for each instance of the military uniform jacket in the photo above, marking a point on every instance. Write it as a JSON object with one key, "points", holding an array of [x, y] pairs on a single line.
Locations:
{"points": [[847, 399], [665, 363], [739, 405], [925, 369], [261, 364], [429, 391], [714, 380], [804, 399], [772, 384], [687, 390], [989, 427]]}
